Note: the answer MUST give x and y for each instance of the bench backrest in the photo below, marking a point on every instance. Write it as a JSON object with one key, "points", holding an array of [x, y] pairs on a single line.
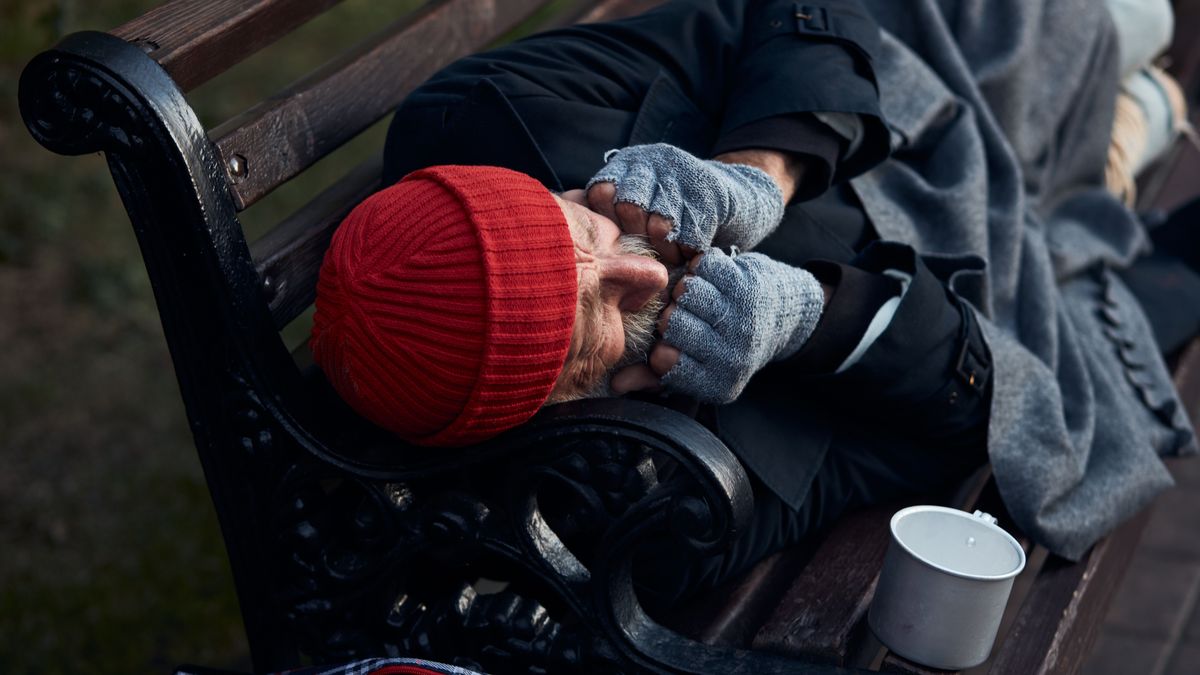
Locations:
{"points": [[223, 300]]}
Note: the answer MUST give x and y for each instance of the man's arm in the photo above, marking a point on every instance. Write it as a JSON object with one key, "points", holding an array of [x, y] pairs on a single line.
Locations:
{"points": [[691, 73], [891, 339], [784, 168]]}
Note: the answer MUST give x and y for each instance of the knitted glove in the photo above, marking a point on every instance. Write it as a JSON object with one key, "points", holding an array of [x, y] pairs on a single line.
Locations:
{"points": [[737, 314], [710, 203]]}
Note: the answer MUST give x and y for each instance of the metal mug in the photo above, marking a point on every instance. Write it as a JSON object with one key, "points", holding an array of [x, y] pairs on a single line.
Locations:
{"points": [[944, 585]]}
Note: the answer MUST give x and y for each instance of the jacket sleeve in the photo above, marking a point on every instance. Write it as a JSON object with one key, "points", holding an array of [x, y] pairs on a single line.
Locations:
{"points": [[688, 72], [929, 370], [815, 58]]}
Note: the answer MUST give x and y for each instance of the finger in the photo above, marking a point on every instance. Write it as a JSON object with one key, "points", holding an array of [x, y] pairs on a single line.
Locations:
{"points": [[664, 296], [681, 286], [663, 358], [704, 301], [601, 198], [719, 267], [631, 217], [638, 377], [658, 228], [695, 379], [664, 319], [693, 336]]}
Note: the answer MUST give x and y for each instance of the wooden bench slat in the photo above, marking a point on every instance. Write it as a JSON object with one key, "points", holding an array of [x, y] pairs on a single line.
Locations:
{"points": [[988, 501], [826, 604], [731, 614], [287, 133], [1059, 621], [1186, 376], [822, 614], [615, 9], [744, 609], [289, 256], [196, 40], [827, 600], [1066, 601], [1184, 54], [898, 665], [1170, 181], [1035, 558]]}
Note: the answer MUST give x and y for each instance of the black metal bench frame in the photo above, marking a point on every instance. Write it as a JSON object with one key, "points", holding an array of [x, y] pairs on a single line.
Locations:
{"points": [[345, 543]]}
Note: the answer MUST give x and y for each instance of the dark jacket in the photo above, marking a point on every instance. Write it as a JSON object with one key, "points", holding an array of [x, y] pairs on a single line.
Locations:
{"points": [[687, 73], [699, 74]]}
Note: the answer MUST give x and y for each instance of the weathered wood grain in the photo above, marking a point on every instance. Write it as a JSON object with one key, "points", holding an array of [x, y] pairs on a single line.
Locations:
{"points": [[289, 256], [1055, 629], [819, 611], [290, 131], [196, 40], [333, 105], [732, 614], [287, 133], [825, 606], [615, 9]]}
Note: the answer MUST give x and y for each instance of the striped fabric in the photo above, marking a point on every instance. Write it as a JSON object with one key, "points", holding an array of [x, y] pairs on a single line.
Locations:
{"points": [[385, 666]]}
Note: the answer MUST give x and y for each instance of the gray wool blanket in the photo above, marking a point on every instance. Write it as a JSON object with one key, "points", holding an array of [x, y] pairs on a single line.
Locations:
{"points": [[1001, 112]]}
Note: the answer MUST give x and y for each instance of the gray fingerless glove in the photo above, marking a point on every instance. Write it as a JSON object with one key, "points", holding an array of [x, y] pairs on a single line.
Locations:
{"points": [[710, 203], [736, 315]]}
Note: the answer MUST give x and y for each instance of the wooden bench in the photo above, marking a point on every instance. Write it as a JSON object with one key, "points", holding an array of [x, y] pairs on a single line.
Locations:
{"points": [[345, 543]]}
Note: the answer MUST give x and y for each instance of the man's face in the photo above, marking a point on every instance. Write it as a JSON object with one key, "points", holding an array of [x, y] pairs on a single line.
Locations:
{"points": [[622, 289]]}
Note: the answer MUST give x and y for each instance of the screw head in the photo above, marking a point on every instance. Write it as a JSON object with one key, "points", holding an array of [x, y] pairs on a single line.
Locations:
{"points": [[237, 166], [399, 494]]}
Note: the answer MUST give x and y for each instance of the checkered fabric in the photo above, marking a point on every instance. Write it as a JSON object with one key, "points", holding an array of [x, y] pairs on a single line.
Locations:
{"points": [[382, 666]]}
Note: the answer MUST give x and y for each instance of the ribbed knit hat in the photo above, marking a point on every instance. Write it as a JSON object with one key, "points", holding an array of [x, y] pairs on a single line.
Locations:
{"points": [[445, 304]]}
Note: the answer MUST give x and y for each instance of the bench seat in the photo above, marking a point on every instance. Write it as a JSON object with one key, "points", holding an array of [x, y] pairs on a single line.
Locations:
{"points": [[514, 555]]}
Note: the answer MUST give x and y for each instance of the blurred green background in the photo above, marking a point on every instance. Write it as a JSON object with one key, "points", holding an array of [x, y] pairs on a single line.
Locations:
{"points": [[113, 560]]}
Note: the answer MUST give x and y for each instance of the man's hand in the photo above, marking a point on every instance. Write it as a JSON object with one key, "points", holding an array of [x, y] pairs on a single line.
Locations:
{"points": [[729, 318], [633, 219], [684, 204], [783, 167]]}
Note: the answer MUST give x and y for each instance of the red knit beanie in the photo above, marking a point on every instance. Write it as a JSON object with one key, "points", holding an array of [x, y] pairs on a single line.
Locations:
{"points": [[445, 304]]}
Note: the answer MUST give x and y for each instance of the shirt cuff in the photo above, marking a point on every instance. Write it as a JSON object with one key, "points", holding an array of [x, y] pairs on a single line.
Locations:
{"points": [[855, 315], [817, 146], [881, 320]]}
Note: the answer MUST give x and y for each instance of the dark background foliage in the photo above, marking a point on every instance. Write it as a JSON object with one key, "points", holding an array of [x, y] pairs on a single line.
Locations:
{"points": [[113, 562]]}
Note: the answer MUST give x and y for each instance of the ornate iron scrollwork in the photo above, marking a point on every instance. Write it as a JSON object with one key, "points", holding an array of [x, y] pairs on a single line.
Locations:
{"points": [[592, 486], [502, 632], [72, 107], [372, 566], [376, 567], [252, 426], [340, 557]]}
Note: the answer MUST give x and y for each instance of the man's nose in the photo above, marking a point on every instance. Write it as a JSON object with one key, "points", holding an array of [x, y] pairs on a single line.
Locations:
{"points": [[632, 279]]}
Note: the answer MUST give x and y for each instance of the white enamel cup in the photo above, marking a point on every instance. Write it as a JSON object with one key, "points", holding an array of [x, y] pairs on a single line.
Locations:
{"points": [[944, 585]]}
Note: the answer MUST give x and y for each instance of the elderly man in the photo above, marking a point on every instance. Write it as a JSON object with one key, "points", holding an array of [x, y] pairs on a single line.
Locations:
{"points": [[841, 369]]}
